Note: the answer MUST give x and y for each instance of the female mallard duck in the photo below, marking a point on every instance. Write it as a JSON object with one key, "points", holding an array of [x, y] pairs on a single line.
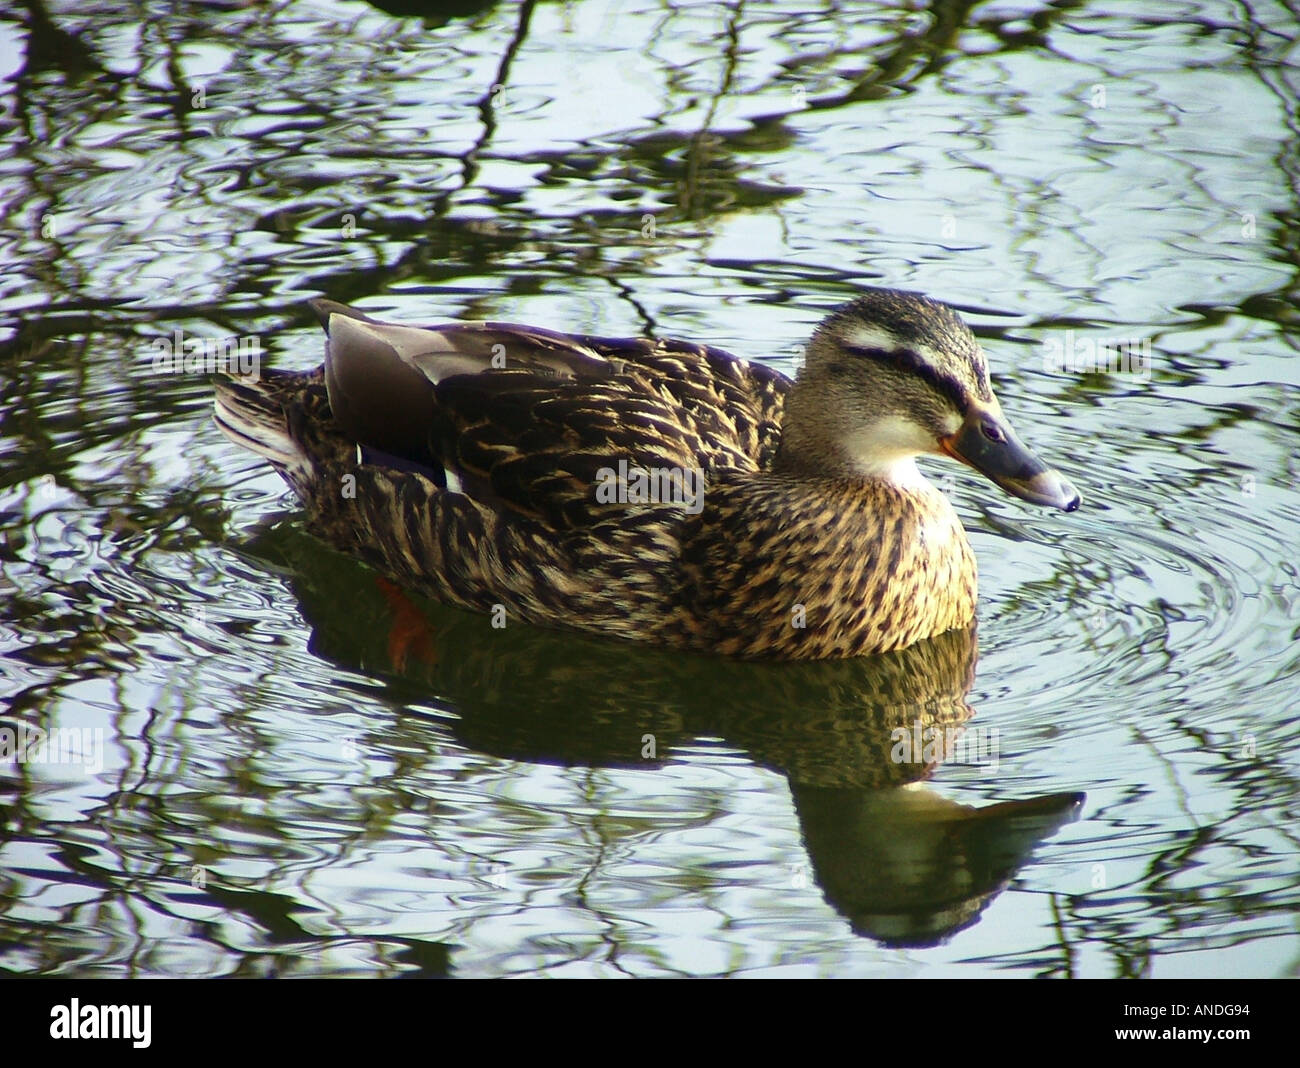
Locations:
{"points": [[653, 489]]}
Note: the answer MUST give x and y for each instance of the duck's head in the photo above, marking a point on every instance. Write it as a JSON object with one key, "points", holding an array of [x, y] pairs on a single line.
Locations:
{"points": [[895, 375]]}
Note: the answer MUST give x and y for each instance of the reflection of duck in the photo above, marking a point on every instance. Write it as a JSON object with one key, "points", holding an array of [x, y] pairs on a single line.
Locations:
{"points": [[559, 479], [904, 864], [922, 867]]}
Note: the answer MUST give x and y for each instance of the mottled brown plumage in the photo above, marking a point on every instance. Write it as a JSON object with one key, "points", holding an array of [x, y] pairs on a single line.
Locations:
{"points": [[480, 463]]}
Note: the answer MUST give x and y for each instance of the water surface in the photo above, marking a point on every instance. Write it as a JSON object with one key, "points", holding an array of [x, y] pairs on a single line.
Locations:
{"points": [[281, 790]]}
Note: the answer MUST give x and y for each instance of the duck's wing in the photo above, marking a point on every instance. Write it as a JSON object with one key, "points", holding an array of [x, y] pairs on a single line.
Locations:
{"points": [[532, 421]]}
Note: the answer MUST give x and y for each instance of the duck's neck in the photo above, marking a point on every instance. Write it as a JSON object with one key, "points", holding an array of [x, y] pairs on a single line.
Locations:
{"points": [[818, 443]]}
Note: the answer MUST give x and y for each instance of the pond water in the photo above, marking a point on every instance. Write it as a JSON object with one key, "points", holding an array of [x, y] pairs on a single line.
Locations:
{"points": [[270, 785]]}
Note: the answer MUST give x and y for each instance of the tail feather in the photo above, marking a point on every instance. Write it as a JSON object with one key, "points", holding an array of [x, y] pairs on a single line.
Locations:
{"points": [[251, 415]]}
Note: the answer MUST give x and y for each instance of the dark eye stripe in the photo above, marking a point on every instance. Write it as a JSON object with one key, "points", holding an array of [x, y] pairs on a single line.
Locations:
{"points": [[911, 360]]}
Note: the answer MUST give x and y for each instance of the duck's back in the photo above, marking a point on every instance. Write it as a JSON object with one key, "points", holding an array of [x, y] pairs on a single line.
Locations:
{"points": [[525, 419]]}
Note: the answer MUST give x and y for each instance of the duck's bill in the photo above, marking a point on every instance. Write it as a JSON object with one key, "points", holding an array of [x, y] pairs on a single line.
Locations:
{"points": [[1008, 463]]}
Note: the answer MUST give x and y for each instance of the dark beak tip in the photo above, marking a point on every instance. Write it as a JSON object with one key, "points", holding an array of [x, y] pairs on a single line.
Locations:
{"points": [[1072, 499], [1048, 490]]}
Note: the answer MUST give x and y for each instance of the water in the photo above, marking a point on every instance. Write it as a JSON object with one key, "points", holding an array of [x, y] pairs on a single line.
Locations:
{"points": [[277, 788]]}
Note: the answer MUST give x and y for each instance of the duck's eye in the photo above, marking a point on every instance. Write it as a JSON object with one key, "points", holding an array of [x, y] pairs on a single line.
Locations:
{"points": [[993, 432]]}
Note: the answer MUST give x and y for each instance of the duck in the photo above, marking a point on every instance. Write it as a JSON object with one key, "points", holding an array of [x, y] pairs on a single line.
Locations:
{"points": [[648, 488]]}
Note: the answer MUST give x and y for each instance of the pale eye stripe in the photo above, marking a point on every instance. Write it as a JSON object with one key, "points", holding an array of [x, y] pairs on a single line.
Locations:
{"points": [[873, 337]]}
